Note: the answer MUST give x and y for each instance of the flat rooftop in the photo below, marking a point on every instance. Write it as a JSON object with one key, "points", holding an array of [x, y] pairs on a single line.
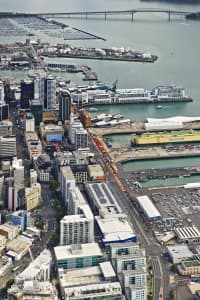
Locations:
{"points": [[178, 251], [190, 232], [103, 197], [84, 276], [115, 229], [67, 172], [148, 206], [73, 251], [34, 267]]}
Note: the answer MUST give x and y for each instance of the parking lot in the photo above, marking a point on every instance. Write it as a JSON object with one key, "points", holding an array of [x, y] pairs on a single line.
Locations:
{"points": [[178, 207]]}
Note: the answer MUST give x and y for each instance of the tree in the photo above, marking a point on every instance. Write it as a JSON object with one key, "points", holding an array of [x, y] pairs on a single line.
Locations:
{"points": [[53, 184], [8, 285]]}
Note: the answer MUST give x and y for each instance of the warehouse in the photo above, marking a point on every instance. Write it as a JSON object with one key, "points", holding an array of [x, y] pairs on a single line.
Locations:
{"points": [[189, 235], [148, 208]]}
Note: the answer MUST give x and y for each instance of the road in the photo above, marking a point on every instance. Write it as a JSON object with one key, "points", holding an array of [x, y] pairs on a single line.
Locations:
{"points": [[145, 236]]}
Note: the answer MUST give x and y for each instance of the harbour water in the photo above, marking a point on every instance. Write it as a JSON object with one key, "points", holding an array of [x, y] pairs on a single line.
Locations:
{"points": [[176, 43], [163, 164]]}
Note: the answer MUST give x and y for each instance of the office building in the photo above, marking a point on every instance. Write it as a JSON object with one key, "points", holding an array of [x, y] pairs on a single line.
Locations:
{"points": [[33, 290], [64, 106], [67, 182], [36, 108], [16, 187], [18, 247], [4, 111], [5, 264], [1, 91], [78, 256], [112, 224], [39, 269], [52, 132], [79, 228], [29, 123], [47, 92], [6, 128], [33, 176], [32, 196], [20, 218], [129, 262], [8, 146], [27, 93], [9, 231], [97, 282], [81, 139], [178, 252], [42, 165]]}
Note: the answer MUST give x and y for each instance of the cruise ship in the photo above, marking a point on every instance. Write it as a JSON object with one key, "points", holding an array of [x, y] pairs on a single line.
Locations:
{"points": [[159, 94], [170, 93], [182, 136]]}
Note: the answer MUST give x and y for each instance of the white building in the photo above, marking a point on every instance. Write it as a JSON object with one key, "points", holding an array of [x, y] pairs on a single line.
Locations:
{"points": [[177, 253], [8, 146], [67, 182], [190, 234], [9, 231], [98, 282], [129, 262], [33, 290], [1, 92], [39, 269], [77, 229], [29, 123], [112, 224], [5, 264], [148, 208], [16, 190], [33, 176], [75, 200], [78, 256]]}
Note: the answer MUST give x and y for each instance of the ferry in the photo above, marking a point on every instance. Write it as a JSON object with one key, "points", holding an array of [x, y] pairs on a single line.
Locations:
{"points": [[169, 93], [175, 137]]}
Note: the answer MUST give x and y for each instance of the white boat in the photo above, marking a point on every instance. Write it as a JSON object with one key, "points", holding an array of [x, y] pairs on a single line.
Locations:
{"points": [[92, 109], [159, 107]]}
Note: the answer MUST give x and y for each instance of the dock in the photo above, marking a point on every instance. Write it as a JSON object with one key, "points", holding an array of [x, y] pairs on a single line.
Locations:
{"points": [[85, 70], [144, 153], [112, 54], [134, 127]]}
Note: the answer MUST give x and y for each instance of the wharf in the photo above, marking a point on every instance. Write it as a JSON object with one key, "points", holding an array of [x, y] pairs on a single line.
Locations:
{"points": [[151, 59], [133, 127], [145, 175], [117, 54], [145, 153], [88, 73]]}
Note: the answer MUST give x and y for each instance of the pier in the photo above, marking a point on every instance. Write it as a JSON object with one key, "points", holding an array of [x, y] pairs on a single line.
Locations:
{"points": [[88, 73], [133, 127], [145, 153]]}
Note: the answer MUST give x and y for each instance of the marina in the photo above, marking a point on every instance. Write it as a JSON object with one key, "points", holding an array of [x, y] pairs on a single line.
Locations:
{"points": [[34, 26]]}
